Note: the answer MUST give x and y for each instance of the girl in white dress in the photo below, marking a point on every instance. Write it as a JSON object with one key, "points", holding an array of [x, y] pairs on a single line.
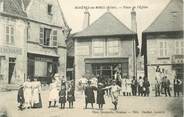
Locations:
{"points": [[36, 97], [28, 93], [53, 93]]}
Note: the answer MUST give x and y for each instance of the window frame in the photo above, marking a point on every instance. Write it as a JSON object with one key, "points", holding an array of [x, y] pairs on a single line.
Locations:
{"points": [[10, 34], [163, 49], [110, 44], [94, 46]]}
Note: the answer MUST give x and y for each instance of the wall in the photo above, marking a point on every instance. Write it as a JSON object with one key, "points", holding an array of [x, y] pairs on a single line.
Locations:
{"points": [[125, 51], [16, 50], [153, 57]]}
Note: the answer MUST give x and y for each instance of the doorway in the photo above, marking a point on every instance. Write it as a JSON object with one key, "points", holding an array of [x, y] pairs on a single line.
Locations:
{"points": [[11, 69]]}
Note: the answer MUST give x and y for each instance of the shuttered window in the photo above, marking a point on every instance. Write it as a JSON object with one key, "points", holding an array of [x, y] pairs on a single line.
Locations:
{"points": [[41, 35], [54, 38], [10, 34]]}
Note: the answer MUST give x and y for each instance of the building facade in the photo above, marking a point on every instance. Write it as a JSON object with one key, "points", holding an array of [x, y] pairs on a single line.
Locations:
{"points": [[163, 44], [47, 32], [13, 55], [105, 47], [32, 39]]}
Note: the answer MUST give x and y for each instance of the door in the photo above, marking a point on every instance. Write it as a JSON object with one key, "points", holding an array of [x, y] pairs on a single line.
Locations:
{"points": [[11, 69]]}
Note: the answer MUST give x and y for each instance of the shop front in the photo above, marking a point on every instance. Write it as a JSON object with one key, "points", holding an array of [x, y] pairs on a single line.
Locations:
{"points": [[42, 67], [107, 67]]}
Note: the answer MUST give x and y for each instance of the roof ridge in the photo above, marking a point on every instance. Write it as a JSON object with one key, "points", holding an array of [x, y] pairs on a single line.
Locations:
{"points": [[121, 22], [160, 14], [102, 16]]}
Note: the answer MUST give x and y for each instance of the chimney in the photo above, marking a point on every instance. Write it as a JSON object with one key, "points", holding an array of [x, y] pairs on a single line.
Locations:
{"points": [[2, 6], [133, 20], [86, 21]]}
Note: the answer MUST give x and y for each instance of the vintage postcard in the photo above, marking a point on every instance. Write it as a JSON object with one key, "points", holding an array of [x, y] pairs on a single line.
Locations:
{"points": [[94, 58]]}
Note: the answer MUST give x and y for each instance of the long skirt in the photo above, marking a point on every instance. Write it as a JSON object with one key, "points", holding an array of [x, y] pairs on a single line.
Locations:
{"points": [[53, 95], [39, 104]]}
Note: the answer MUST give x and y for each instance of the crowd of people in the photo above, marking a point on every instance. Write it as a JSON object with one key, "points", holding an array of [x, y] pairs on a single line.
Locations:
{"points": [[60, 91]]}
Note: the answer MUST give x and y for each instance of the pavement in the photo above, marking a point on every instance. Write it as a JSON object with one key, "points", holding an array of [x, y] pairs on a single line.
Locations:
{"points": [[129, 106]]}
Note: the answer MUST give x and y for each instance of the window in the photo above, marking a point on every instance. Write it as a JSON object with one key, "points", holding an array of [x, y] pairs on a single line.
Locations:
{"points": [[179, 47], [45, 36], [98, 47], [113, 47], [9, 34], [163, 48], [49, 9], [40, 68]]}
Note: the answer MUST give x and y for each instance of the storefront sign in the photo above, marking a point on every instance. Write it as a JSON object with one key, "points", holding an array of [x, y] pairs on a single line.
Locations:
{"points": [[10, 50], [178, 59]]}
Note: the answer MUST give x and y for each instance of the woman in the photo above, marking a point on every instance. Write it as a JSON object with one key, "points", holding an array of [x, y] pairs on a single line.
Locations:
{"points": [[28, 93], [36, 89], [89, 94], [100, 96], [53, 94], [123, 86], [70, 95], [20, 97], [128, 85], [62, 96]]}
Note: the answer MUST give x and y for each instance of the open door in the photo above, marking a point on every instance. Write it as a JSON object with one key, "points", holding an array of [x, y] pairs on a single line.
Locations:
{"points": [[11, 69]]}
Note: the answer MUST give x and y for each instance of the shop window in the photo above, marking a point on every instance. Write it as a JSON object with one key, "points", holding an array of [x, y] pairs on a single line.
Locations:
{"points": [[40, 68], [98, 47], [113, 47], [10, 34], [163, 49]]}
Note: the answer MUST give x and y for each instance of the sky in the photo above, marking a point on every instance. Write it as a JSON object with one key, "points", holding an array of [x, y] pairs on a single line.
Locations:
{"points": [[146, 11]]}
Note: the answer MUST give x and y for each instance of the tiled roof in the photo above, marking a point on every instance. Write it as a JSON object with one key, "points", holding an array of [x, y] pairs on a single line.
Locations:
{"points": [[26, 3], [170, 19], [13, 7], [106, 25]]}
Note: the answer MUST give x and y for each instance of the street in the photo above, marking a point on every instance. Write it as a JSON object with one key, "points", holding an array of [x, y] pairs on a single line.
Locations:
{"points": [[128, 106]]}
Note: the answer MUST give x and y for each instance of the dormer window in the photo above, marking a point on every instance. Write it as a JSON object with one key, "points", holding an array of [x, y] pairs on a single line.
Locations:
{"points": [[50, 9]]}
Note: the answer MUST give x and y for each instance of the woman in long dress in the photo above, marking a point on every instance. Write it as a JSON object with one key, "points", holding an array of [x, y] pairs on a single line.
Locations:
{"points": [[128, 85], [36, 94], [53, 93], [28, 93], [123, 86]]}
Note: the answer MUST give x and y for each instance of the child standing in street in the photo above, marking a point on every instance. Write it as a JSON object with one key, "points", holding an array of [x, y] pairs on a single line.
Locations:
{"points": [[62, 96], [70, 95], [100, 96]]}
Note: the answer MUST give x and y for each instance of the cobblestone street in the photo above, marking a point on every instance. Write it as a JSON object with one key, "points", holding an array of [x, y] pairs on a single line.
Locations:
{"points": [[128, 106]]}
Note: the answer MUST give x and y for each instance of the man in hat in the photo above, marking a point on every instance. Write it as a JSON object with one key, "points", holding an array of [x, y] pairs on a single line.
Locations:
{"points": [[89, 94]]}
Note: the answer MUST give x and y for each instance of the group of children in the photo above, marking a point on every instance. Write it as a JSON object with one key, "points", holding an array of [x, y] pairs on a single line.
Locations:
{"points": [[66, 93], [90, 96]]}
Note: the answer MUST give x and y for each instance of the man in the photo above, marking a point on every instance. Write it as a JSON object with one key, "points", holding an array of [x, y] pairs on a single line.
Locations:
{"points": [[146, 86], [140, 86], [134, 86], [157, 87], [166, 85], [177, 83]]}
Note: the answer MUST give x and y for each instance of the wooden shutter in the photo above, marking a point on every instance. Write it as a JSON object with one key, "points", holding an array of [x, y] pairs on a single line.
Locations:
{"points": [[54, 38], [41, 35]]}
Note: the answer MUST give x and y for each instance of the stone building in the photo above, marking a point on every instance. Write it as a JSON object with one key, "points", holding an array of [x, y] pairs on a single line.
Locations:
{"points": [[163, 44], [32, 40], [13, 55], [47, 32], [104, 47]]}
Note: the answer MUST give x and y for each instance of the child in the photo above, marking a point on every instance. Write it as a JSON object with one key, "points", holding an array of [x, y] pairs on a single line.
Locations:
{"points": [[100, 96], [62, 96], [53, 93], [114, 93], [70, 95], [20, 97]]}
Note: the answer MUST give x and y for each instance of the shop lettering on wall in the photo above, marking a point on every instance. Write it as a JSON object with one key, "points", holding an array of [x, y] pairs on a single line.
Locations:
{"points": [[10, 50]]}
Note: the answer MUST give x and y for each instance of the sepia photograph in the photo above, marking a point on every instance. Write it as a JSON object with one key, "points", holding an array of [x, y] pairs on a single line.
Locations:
{"points": [[91, 58]]}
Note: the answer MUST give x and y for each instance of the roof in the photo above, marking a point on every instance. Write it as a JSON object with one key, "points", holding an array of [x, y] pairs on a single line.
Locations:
{"points": [[26, 3], [170, 19], [13, 7], [106, 25]]}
